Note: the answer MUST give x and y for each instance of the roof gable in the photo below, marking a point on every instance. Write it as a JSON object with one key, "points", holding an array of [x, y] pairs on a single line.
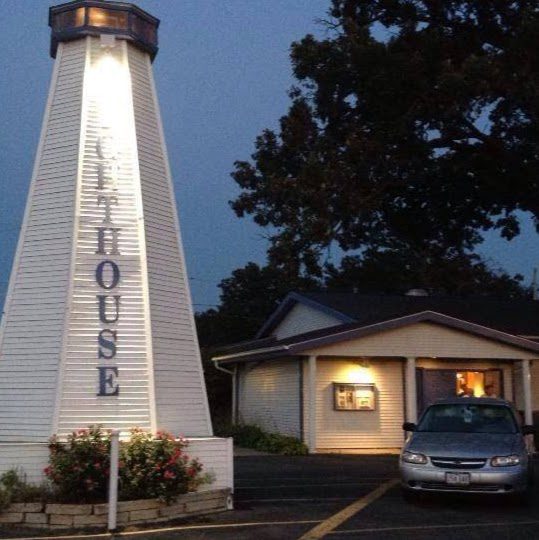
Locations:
{"points": [[286, 306], [301, 319]]}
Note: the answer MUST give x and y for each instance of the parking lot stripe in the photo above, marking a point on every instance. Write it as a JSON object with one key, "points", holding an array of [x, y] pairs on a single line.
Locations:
{"points": [[146, 532], [328, 525], [303, 478], [433, 527], [281, 499], [372, 483]]}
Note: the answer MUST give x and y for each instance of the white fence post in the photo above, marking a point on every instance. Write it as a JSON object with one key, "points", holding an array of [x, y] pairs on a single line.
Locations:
{"points": [[113, 479]]}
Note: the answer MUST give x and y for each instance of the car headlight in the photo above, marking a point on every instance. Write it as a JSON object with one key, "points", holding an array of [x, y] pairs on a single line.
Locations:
{"points": [[412, 457], [505, 461]]}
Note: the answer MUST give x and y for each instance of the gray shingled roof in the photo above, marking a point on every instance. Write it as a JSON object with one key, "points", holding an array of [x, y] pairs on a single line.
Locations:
{"points": [[513, 316]]}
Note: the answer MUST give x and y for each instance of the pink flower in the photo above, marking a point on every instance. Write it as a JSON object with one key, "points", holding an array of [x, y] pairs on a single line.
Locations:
{"points": [[169, 475]]}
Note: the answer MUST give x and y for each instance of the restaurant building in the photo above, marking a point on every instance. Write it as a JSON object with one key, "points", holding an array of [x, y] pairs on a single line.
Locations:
{"points": [[342, 372]]}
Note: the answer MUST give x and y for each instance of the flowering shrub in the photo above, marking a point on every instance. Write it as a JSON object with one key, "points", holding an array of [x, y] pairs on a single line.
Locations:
{"points": [[150, 467], [79, 468], [156, 467]]}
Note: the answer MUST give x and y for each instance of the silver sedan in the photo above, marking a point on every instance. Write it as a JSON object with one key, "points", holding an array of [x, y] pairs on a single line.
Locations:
{"points": [[469, 445]]}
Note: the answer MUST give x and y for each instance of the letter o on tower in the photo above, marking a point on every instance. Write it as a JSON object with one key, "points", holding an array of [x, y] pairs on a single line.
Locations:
{"points": [[112, 280]]}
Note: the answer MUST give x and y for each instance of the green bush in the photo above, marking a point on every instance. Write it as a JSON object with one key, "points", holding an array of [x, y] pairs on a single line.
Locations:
{"points": [[150, 467], [252, 436], [15, 489]]}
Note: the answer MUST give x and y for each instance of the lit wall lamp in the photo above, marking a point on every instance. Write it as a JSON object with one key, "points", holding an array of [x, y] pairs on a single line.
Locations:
{"points": [[362, 373]]}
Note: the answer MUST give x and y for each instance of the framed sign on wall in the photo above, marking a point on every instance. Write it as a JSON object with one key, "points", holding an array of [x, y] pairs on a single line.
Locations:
{"points": [[354, 396]]}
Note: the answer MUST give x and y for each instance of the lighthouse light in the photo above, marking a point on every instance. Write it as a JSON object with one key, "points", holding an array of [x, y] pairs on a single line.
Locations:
{"points": [[108, 18]]}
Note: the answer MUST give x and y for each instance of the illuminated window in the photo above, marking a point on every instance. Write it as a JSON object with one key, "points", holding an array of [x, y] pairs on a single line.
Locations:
{"points": [[354, 397], [478, 383], [108, 18], [69, 19]]}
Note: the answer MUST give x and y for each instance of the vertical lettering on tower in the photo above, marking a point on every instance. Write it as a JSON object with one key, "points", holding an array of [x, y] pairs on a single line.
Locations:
{"points": [[107, 273]]}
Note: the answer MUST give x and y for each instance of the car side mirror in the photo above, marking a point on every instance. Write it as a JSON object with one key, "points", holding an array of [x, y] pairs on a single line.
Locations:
{"points": [[528, 430], [409, 426]]}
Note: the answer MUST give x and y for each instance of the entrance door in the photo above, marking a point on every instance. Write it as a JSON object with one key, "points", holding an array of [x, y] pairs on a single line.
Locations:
{"points": [[436, 384]]}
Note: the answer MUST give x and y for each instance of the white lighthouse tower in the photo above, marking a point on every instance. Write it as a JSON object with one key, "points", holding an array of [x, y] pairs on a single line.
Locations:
{"points": [[98, 325]]}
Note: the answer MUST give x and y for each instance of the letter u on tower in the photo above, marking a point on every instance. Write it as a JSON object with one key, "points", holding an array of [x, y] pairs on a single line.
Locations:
{"points": [[98, 326]]}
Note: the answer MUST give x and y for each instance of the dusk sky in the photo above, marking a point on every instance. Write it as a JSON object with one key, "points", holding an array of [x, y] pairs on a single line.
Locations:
{"points": [[222, 76]]}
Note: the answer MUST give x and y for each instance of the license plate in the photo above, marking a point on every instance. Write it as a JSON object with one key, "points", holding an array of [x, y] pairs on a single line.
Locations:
{"points": [[457, 479]]}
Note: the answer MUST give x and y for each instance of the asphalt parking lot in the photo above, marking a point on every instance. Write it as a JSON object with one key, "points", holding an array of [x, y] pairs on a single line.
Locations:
{"points": [[315, 487], [281, 498]]}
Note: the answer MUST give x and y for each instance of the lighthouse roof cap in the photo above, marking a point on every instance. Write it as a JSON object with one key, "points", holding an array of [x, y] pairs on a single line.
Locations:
{"points": [[80, 18]]}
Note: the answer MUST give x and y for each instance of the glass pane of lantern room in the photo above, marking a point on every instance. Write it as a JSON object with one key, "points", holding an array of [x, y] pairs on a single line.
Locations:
{"points": [[144, 30], [79, 16], [107, 18], [69, 19]]}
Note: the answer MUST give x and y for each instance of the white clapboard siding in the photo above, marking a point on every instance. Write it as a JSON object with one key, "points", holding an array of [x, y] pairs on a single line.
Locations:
{"points": [[30, 459], [360, 430], [79, 403], [269, 396], [424, 340], [33, 324], [181, 402], [217, 457], [301, 319]]}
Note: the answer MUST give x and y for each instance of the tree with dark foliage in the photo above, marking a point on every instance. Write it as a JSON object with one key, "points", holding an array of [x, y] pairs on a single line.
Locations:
{"points": [[394, 272], [412, 130], [415, 122]]}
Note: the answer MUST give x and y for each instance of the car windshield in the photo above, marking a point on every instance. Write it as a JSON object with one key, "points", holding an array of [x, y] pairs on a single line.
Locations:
{"points": [[468, 418]]}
